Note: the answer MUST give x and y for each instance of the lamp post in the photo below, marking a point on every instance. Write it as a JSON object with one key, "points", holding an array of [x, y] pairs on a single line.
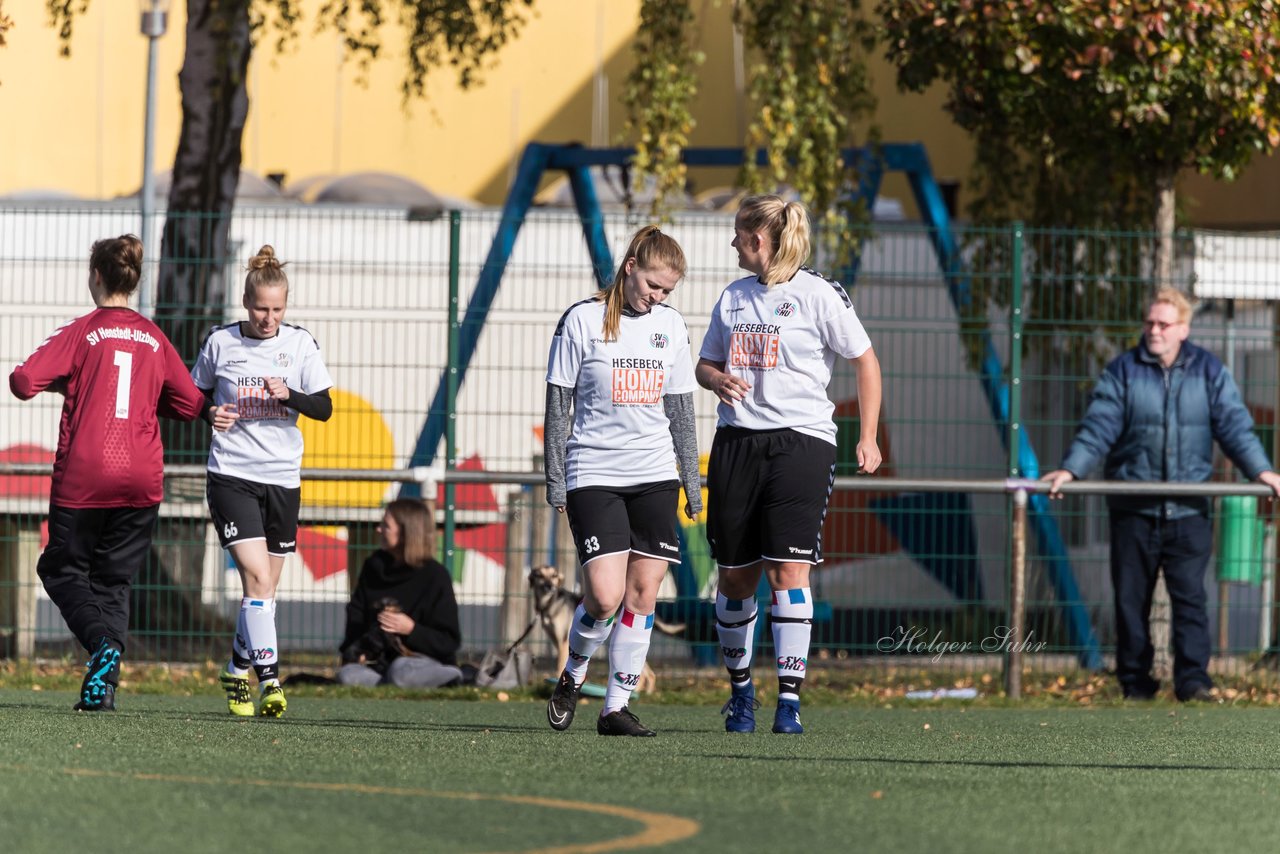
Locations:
{"points": [[155, 20]]}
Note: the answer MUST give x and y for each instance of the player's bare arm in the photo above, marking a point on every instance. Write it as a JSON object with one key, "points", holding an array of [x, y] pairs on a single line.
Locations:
{"points": [[866, 369], [224, 417], [728, 388]]}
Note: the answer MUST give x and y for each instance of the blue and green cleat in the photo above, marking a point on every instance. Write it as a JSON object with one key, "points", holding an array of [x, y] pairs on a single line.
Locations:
{"points": [[102, 674]]}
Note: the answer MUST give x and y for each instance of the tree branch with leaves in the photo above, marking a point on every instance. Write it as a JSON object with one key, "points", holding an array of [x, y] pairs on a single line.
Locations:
{"points": [[6, 23], [463, 34], [809, 82], [658, 94], [1084, 113]]}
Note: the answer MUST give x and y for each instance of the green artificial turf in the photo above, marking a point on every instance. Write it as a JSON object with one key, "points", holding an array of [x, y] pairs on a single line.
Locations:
{"points": [[176, 774]]}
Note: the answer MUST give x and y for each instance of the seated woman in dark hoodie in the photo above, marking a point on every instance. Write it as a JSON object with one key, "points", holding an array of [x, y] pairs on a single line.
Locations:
{"points": [[402, 620]]}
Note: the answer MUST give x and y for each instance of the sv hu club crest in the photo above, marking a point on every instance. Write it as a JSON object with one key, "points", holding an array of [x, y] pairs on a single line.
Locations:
{"points": [[658, 340]]}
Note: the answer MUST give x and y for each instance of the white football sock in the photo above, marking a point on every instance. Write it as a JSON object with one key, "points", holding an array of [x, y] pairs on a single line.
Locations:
{"points": [[585, 638], [736, 628], [791, 616], [628, 649]]}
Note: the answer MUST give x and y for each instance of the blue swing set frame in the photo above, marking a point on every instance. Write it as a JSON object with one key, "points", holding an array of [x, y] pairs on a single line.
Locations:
{"points": [[871, 165]]}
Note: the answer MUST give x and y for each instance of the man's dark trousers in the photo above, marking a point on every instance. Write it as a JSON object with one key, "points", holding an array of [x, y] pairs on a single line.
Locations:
{"points": [[1141, 546]]}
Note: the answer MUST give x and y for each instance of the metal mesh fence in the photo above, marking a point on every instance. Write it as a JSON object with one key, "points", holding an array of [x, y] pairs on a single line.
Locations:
{"points": [[374, 287]]}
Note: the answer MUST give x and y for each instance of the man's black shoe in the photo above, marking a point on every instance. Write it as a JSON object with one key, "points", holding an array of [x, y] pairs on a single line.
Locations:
{"points": [[1203, 694]]}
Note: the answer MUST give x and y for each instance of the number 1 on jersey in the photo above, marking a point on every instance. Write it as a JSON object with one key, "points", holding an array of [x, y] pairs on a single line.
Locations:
{"points": [[123, 361]]}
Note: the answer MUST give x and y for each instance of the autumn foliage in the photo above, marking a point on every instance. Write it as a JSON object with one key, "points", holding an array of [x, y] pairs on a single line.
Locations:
{"points": [[1095, 93]]}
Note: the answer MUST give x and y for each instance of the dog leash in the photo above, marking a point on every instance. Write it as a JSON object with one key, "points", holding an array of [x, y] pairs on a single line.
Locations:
{"points": [[523, 635], [506, 656]]}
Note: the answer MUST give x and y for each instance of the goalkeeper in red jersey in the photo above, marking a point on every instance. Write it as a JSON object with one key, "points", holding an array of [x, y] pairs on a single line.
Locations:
{"points": [[118, 373]]}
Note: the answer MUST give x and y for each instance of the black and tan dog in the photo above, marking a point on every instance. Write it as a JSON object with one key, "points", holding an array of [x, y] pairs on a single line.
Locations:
{"points": [[554, 606], [376, 647]]}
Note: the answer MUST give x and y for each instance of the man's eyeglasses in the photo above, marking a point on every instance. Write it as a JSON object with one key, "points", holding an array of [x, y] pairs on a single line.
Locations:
{"points": [[1161, 325]]}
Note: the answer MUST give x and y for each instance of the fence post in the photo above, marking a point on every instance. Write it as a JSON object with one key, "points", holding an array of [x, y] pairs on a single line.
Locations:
{"points": [[1017, 597], [20, 550], [1016, 605], [451, 399], [1015, 353], [513, 611], [1266, 627]]}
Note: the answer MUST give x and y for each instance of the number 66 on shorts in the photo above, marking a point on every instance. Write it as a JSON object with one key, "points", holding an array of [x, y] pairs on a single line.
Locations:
{"points": [[244, 510]]}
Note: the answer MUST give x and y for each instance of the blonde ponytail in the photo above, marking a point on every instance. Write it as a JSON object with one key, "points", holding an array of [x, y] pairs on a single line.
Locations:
{"points": [[786, 224]]}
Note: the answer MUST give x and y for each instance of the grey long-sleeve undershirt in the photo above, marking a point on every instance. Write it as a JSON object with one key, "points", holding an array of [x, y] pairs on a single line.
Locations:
{"points": [[679, 409], [555, 433]]}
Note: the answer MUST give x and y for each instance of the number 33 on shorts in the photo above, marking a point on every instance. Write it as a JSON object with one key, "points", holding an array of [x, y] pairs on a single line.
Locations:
{"points": [[591, 544]]}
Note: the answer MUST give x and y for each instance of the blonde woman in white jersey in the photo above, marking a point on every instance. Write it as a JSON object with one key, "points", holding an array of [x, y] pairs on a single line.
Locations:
{"points": [[258, 376], [772, 343], [622, 360]]}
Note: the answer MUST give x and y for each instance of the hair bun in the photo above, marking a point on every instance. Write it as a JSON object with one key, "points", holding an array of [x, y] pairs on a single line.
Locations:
{"points": [[266, 257]]}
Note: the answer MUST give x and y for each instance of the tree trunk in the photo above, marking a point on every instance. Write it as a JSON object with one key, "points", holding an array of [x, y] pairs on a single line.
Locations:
{"points": [[1162, 267], [206, 170], [191, 290]]}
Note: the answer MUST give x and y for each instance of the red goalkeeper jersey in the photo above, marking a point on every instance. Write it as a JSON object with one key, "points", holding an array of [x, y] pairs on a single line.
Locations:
{"points": [[118, 372]]}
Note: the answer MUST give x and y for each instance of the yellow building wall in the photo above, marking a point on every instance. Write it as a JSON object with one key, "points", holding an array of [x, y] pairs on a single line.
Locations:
{"points": [[76, 124]]}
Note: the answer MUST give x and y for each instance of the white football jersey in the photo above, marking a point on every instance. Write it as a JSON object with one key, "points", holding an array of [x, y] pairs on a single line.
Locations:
{"points": [[784, 342], [265, 444], [620, 434]]}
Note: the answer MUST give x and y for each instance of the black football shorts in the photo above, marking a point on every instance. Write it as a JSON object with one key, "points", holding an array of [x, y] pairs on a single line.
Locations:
{"points": [[246, 510], [639, 519], [767, 494]]}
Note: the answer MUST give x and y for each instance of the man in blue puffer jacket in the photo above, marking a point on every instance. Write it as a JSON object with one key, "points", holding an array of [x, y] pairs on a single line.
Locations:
{"points": [[1153, 416]]}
